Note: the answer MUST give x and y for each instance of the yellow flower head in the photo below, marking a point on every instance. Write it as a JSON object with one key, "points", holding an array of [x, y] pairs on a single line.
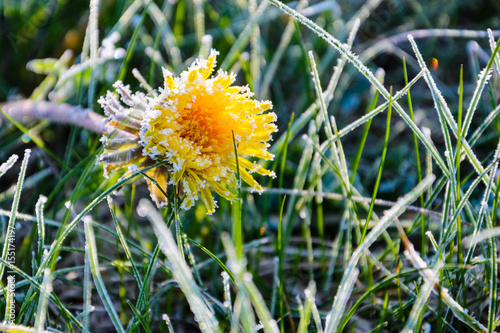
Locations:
{"points": [[191, 125]]}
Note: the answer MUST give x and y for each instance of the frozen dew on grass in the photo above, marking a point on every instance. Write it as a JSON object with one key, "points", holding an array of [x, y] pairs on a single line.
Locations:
{"points": [[190, 125], [4, 167]]}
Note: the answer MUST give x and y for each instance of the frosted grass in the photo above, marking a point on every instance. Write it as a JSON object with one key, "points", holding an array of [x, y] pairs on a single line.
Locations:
{"points": [[91, 252], [15, 204], [368, 75], [350, 274], [181, 272], [45, 290], [4, 167]]}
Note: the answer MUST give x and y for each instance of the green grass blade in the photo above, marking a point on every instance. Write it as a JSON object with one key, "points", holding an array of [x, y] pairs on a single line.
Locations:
{"points": [[9, 237], [167, 320], [40, 226], [161, 19], [491, 39], [236, 207], [380, 74], [286, 37], [244, 283], [7, 165], [281, 263], [180, 270], [380, 168], [368, 74], [482, 81], [481, 128], [244, 37], [69, 227], [87, 293], [336, 147], [67, 314], [199, 20], [93, 32], [444, 112], [370, 115], [45, 290], [419, 166], [465, 199], [214, 257], [124, 244], [349, 277], [139, 316], [422, 300], [131, 46], [91, 247], [493, 270], [459, 312], [460, 255], [310, 294]]}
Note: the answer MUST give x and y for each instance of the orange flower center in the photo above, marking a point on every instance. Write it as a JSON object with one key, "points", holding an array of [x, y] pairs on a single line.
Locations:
{"points": [[206, 128]]}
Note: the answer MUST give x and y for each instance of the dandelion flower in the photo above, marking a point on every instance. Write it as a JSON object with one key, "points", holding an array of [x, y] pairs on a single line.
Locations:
{"points": [[191, 125]]}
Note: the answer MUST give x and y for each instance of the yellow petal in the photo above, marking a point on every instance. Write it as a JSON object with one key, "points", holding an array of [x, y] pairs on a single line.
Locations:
{"points": [[209, 66], [169, 82], [158, 188], [208, 199], [253, 167], [176, 177], [221, 190]]}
